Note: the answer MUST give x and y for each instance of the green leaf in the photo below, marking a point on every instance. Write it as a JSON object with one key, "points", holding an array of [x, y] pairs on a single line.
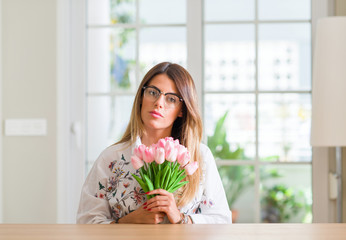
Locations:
{"points": [[178, 186], [174, 175], [150, 173], [176, 182], [164, 175], [141, 183], [158, 180], [154, 167], [149, 183], [177, 178], [142, 172], [168, 175]]}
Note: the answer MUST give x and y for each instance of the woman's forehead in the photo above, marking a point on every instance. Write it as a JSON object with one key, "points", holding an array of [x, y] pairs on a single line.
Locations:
{"points": [[164, 83]]}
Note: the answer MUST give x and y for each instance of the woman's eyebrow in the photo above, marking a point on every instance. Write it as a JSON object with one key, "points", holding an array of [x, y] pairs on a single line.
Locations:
{"points": [[162, 91]]}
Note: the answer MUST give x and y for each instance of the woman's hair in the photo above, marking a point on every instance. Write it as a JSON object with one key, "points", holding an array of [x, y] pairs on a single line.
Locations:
{"points": [[188, 128]]}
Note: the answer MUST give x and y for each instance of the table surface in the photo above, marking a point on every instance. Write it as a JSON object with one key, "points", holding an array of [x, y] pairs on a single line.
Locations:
{"points": [[177, 232]]}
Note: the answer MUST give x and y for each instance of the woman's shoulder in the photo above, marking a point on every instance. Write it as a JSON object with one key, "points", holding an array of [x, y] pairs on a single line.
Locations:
{"points": [[206, 153], [115, 151], [204, 149]]}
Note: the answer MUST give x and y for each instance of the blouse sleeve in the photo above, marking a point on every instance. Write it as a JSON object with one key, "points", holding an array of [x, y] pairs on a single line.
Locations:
{"points": [[93, 205], [214, 207]]}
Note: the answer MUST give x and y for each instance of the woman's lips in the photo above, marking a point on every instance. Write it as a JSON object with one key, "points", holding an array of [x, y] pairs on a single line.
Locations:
{"points": [[156, 114]]}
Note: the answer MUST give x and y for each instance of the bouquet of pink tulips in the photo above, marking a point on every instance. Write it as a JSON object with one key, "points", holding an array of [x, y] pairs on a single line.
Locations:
{"points": [[163, 165]]}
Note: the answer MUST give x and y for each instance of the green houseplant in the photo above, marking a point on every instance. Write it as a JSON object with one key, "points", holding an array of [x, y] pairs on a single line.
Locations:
{"points": [[236, 179], [280, 203]]}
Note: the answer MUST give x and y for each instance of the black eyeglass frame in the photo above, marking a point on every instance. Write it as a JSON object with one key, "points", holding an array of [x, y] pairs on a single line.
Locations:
{"points": [[145, 87]]}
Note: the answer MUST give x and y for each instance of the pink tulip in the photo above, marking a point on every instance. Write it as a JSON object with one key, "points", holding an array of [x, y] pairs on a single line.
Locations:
{"points": [[153, 151], [160, 155], [176, 143], [161, 143], [170, 151], [137, 163], [181, 149], [169, 139], [184, 158], [191, 168], [148, 156], [139, 151], [168, 147]]}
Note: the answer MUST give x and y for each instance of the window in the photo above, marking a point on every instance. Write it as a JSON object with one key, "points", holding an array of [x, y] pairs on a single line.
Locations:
{"points": [[256, 89], [125, 39]]}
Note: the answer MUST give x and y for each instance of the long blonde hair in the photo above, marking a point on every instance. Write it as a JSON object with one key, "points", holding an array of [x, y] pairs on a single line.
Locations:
{"points": [[188, 128]]}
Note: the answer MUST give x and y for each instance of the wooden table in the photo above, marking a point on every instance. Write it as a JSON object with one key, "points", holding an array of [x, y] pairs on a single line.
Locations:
{"points": [[176, 232]]}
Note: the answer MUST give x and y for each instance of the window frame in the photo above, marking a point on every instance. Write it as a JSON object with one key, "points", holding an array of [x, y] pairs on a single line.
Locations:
{"points": [[256, 163]]}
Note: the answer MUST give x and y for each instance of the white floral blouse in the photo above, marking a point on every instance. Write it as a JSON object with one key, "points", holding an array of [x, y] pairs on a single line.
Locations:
{"points": [[110, 192]]}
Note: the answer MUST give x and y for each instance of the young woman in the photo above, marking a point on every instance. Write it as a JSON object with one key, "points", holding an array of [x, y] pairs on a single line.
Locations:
{"points": [[165, 106]]}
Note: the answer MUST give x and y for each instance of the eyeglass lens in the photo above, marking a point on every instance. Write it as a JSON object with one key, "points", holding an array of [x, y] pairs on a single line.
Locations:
{"points": [[171, 100]]}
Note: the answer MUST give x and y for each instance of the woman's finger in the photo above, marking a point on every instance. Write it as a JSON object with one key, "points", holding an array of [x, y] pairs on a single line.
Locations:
{"points": [[157, 204], [158, 198], [160, 192]]}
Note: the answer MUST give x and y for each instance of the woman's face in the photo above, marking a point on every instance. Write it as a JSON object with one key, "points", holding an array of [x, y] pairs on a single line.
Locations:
{"points": [[155, 115]]}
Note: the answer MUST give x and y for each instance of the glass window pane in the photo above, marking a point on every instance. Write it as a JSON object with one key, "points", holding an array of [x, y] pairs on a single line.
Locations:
{"points": [[107, 120], [286, 194], [229, 57], [111, 11], [162, 44], [284, 127], [162, 11], [238, 182], [284, 56], [111, 59], [283, 9], [229, 10], [235, 137]]}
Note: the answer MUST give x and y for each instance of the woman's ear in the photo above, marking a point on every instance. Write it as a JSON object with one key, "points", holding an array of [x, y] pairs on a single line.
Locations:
{"points": [[180, 113]]}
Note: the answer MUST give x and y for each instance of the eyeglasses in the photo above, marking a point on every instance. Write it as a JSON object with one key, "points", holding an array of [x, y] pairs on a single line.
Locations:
{"points": [[152, 93]]}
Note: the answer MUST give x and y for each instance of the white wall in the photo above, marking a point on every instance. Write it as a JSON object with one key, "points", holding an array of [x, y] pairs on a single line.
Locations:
{"points": [[1, 175], [28, 91]]}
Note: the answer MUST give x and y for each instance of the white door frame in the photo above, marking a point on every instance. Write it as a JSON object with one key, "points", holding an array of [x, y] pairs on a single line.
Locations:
{"points": [[1, 130], [70, 114]]}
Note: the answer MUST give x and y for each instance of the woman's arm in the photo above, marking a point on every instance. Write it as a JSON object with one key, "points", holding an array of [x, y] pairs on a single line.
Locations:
{"points": [[93, 205], [141, 215], [214, 207]]}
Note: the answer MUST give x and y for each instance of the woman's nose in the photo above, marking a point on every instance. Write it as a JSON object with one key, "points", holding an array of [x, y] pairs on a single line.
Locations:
{"points": [[160, 102]]}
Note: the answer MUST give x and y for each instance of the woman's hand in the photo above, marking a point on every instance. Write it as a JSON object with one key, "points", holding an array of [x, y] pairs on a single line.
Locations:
{"points": [[163, 203], [141, 215]]}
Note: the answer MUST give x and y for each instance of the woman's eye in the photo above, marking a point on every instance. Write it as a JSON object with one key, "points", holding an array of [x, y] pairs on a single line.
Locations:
{"points": [[152, 93], [172, 100]]}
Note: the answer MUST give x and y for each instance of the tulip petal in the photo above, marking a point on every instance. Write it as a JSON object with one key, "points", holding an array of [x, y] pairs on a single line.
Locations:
{"points": [[191, 168], [136, 162]]}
